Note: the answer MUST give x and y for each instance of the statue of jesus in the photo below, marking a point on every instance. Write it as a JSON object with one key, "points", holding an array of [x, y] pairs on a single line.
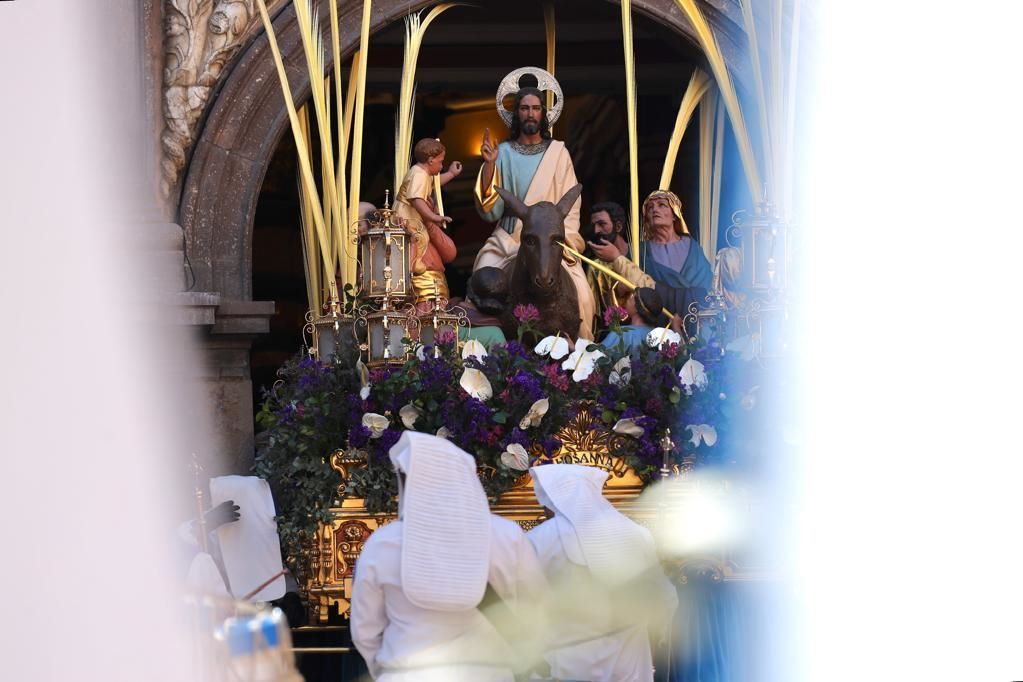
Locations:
{"points": [[535, 168]]}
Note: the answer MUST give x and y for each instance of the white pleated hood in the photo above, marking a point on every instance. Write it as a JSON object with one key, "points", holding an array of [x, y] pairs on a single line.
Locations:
{"points": [[445, 543], [592, 532]]}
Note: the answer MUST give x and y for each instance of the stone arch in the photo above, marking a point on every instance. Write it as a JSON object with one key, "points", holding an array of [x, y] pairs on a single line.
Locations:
{"points": [[247, 118]]}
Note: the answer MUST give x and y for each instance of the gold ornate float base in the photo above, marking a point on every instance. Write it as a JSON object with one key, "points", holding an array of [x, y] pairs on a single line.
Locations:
{"points": [[338, 545]]}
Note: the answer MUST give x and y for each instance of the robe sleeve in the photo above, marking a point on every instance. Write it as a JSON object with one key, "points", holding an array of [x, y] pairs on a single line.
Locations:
{"points": [[489, 204], [632, 272], [368, 617]]}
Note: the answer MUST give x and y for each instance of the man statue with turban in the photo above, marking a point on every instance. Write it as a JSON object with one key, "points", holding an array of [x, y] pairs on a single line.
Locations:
{"points": [[670, 260]]}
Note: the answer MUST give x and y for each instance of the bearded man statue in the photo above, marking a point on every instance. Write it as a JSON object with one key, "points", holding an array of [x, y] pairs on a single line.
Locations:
{"points": [[535, 168]]}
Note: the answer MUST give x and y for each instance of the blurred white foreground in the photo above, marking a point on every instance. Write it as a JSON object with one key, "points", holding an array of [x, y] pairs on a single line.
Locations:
{"points": [[94, 468]]}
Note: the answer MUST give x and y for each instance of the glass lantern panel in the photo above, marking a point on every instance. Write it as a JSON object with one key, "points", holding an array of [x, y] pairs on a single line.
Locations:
{"points": [[326, 342]]}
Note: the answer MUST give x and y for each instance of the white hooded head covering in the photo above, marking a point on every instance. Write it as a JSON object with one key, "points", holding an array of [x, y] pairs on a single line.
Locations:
{"points": [[445, 541], [592, 532]]}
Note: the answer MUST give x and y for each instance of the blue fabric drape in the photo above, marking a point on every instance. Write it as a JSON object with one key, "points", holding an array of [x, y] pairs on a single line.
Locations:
{"points": [[715, 633]]}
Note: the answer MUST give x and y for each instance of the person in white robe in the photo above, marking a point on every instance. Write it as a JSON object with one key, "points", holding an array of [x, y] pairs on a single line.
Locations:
{"points": [[608, 590], [420, 579]]}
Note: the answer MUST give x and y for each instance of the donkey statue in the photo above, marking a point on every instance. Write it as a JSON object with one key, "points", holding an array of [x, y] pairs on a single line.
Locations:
{"points": [[536, 275]]}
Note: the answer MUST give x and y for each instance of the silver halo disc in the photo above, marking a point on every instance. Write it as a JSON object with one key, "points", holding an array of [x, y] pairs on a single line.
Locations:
{"points": [[544, 81]]}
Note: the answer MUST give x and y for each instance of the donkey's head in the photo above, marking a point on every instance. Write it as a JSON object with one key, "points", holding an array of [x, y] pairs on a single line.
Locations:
{"points": [[543, 226]]}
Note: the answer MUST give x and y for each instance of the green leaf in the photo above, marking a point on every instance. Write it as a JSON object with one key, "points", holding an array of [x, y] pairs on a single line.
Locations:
{"points": [[501, 417], [608, 417]]}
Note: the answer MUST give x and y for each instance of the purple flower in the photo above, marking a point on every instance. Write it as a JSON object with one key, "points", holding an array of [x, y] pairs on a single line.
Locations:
{"points": [[525, 385], [614, 315], [389, 437], [446, 337], [515, 348], [358, 436], [526, 312]]}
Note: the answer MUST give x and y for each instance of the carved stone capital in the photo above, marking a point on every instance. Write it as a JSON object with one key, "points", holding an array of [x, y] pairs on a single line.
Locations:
{"points": [[199, 38]]}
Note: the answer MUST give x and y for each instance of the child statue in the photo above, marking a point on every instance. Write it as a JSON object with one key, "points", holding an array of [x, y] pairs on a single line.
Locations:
{"points": [[431, 246]]}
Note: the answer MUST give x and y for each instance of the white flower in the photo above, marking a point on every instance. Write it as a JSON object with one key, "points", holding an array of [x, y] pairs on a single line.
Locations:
{"points": [[476, 384], [409, 414], [582, 361], [659, 337], [628, 427], [749, 399], [443, 432], [555, 346], [515, 457], [364, 392], [536, 412], [706, 432], [621, 373], [376, 423], [475, 349], [692, 374], [421, 352]]}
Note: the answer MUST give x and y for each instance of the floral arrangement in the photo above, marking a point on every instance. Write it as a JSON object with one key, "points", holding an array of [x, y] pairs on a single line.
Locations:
{"points": [[504, 405]]}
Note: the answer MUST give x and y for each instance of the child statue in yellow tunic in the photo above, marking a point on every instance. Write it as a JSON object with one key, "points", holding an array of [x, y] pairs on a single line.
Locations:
{"points": [[431, 246]]}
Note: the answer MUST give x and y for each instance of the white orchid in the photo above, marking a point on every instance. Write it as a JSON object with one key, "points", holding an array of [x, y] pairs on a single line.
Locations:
{"points": [[376, 423], [535, 414], [515, 457], [582, 361], [555, 346], [692, 375], [658, 337], [705, 432], [364, 392], [473, 349], [421, 352], [409, 414], [443, 432], [628, 427], [621, 373], [476, 384]]}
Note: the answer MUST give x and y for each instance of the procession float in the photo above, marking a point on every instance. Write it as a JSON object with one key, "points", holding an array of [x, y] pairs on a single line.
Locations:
{"points": [[385, 350]]}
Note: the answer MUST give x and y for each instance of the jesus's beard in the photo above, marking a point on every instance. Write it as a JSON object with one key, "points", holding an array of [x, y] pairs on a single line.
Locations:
{"points": [[530, 127]]}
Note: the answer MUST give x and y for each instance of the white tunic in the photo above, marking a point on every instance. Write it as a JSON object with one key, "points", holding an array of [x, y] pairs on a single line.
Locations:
{"points": [[603, 650], [403, 642]]}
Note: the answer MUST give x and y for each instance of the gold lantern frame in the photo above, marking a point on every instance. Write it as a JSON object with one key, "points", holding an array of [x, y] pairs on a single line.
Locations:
{"points": [[392, 317], [384, 255], [441, 317], [319, 328]]}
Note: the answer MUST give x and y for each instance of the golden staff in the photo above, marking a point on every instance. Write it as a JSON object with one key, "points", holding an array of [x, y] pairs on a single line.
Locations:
{"points": [[608, 271]]}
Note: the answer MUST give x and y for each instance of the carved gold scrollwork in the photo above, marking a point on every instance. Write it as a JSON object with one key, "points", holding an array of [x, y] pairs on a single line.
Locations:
{"points": [[349, 538], [583, 442], [342, 462]]}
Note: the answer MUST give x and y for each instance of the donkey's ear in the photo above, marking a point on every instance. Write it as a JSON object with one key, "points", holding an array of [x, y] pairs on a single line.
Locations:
{"points": [[512, 204], [567, 201]]}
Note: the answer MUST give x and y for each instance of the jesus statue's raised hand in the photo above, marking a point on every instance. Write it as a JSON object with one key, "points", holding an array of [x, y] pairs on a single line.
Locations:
{"points": [[487, 148]]}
